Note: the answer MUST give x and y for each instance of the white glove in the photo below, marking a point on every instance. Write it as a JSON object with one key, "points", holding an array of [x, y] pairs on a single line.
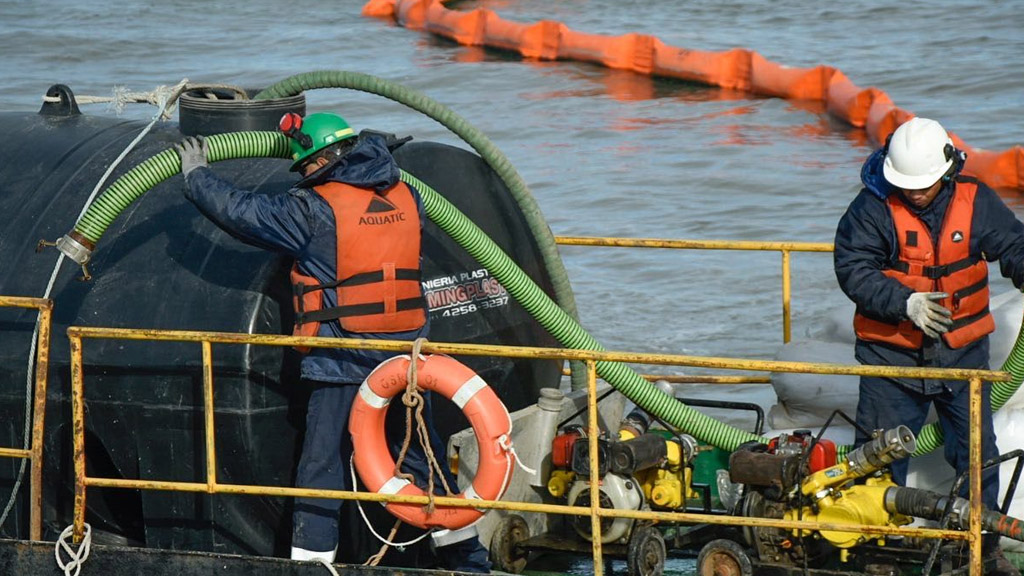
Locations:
{"points": [[926, 313], [193, 153]]}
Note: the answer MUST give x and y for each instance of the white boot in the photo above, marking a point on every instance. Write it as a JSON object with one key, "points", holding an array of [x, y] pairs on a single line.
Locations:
{"points": [[303, 554]]}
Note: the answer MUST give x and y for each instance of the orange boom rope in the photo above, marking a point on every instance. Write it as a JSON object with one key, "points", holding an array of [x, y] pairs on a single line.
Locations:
{"points": [[739, 68]]}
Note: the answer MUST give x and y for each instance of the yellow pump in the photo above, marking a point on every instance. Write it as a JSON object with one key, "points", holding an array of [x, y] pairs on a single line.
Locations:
{"points": [[839, 501], [857, 504]]}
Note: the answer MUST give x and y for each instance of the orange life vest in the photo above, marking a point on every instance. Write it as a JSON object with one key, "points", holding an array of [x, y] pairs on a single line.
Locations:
{"points": [[950, 268], [378, 264]]}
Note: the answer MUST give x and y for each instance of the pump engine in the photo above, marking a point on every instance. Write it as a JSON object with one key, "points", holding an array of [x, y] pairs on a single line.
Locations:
{"points": [[638, 469]]}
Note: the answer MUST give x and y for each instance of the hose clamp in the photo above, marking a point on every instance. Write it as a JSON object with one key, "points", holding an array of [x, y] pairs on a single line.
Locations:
{"points": [[74, 249]]}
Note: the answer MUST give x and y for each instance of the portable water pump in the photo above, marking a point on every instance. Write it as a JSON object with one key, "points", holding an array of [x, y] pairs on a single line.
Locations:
{"points": [[795, 478], [637, 469]]}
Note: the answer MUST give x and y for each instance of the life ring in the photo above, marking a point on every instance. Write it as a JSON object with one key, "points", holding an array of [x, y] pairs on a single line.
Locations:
{"points": [[485, 412]]}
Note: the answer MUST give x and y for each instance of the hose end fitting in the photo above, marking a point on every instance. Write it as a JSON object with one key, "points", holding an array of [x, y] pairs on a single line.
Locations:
{"points": [[76, 247], [890, 445]]}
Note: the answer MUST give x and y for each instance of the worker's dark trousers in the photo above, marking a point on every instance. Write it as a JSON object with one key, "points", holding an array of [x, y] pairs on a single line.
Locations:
{"points": [[885, 404], [324, 463]]}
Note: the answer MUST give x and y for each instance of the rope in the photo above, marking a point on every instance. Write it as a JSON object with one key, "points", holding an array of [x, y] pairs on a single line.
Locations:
{"points": [[413, 399], [166, 100], [376, 558], [76, 557], [156, 97], [506, 444], [386, 541], [327, 565]]}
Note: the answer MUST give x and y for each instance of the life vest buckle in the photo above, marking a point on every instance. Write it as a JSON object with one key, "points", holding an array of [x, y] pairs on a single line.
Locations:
{"points": [[935, 272]]}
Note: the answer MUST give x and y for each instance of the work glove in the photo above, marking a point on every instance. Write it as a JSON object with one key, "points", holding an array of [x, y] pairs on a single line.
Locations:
{"points": [[926, 313], [193, 153]]}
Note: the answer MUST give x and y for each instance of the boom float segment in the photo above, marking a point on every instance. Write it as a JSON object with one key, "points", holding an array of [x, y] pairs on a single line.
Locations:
{"points": [[739, 69]]}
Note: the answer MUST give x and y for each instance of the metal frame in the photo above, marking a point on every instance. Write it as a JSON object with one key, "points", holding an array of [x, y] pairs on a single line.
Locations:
{"points": [[35, 453], [784, 248], [211, 486]]}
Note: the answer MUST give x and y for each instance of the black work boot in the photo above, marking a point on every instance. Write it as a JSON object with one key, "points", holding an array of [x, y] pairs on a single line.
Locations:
{"points": [[995, 563]]}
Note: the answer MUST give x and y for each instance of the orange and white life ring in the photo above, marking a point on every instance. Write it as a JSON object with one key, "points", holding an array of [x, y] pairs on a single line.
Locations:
{"points": [[485, 412]]}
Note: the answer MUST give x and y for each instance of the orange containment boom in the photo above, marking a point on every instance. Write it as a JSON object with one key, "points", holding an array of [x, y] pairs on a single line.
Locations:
{"points": [[739, 68]]}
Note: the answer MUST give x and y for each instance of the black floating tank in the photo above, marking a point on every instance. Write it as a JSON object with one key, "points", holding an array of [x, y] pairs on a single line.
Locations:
{"points": [[162, 265]]}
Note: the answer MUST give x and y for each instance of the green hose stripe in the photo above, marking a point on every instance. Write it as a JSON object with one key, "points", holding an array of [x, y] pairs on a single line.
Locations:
{"points": [[476, 139], [133, 184]]}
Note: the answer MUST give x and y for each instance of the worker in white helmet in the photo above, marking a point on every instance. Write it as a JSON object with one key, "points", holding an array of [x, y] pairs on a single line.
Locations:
{"points": [[911, 251]]}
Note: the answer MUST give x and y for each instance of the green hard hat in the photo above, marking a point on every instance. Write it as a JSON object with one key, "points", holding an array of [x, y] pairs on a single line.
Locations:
{"points": [[309, 135]]}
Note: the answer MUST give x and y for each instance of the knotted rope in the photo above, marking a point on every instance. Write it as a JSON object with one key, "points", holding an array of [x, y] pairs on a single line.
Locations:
{"points": [[413, 401], [75, 557], [414, 404]]}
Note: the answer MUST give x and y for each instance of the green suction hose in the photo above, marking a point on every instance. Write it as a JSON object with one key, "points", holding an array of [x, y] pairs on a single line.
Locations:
{"points": [[162, 166], [476, 139], [560, 324]]}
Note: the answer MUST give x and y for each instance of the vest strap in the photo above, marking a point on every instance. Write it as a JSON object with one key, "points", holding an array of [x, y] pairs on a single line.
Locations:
{"points": [[358, 280], [359, 310], [935, 272], [961, 322], [972, 289]]}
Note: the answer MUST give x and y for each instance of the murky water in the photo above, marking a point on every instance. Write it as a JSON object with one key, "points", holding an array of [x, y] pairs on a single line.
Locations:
{"points": [[605, 152]]}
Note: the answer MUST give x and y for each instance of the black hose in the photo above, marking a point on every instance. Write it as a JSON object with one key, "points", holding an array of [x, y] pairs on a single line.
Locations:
{"points": [[932, 505]]}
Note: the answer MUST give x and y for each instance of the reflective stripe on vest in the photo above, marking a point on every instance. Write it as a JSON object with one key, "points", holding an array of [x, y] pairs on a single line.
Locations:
{"points": [[950, 269], [378, 264]]}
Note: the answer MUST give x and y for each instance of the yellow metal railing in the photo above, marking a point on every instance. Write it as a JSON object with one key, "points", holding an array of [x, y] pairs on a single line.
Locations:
{"points": [[785, 248], [35, 452], [212, 486]]}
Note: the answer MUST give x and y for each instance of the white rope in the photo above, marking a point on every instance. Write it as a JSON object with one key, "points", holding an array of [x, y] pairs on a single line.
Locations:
{"points": [[327, 564], [167, 98], [121, 96], [76, 557], [400, 546], [506, 445]]}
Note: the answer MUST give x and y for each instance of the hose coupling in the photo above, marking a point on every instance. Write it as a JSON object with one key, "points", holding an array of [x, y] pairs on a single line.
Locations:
{"points": [[75, 246], [890, 445]]}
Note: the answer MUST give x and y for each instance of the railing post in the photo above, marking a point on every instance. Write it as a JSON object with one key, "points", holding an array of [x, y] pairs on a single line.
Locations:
{"points": [[78, 432], [595, 482], [211, 449], [974, 453], [39, 422], [787, 289]]}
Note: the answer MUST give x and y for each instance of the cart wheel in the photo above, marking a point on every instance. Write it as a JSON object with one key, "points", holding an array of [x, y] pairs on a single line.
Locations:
{"points": [[723, 558], [504, 553], [645, 555]]}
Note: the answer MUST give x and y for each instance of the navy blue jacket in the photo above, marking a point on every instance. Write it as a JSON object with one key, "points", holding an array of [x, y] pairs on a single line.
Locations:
{"points": [[301, 224], [866, 244]]}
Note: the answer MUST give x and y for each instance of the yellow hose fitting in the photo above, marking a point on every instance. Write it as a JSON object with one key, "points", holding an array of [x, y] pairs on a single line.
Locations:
{"points": [[558, 483]]}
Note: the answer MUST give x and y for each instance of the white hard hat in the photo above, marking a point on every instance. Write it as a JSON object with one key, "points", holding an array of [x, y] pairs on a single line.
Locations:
{"points": [[918, 155]]}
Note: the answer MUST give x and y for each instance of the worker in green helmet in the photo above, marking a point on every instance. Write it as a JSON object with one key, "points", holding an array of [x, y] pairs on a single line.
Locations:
{"points": [[354, 231]]}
